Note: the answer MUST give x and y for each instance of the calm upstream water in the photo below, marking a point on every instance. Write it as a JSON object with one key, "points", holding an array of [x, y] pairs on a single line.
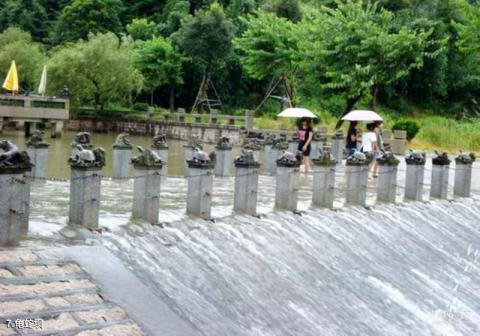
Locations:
{"points": [[392, 270]]}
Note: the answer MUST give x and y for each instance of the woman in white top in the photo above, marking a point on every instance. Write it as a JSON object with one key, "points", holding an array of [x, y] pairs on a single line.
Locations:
{"points": [[369, 143]]}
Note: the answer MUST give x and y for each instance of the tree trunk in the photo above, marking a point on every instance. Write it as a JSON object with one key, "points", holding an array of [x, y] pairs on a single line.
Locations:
{"points": [[350, 103], [373, 103], [152, 93], [172, 98]]}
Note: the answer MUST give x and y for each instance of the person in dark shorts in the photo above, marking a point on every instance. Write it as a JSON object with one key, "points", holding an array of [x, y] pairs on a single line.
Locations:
{"points": [[352, 138], [305, 135]]}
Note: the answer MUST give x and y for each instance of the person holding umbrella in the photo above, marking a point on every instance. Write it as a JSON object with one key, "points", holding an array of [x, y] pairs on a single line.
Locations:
{"points": [[305, 131], [305, 135]]}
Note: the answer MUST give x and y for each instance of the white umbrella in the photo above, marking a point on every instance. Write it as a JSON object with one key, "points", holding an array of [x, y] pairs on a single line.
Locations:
{"points": [[297, 112], [362, 115], [42, 88]]}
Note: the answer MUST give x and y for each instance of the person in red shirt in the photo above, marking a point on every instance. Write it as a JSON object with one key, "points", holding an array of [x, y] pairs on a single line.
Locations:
{"points": [[305, 135]]}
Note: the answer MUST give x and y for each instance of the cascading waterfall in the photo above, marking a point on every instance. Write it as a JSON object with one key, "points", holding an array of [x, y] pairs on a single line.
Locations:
{"points": [[408, 269]]}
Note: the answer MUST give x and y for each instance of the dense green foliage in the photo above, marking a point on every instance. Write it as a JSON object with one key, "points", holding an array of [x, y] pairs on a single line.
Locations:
{"points": [[329, 55], [410, 126]]}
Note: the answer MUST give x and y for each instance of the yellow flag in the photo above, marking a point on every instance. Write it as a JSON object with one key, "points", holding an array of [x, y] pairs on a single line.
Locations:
{"points": [[11, 82]]}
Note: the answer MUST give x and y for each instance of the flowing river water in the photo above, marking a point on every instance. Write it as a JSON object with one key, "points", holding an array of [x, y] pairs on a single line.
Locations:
{"points": [[405, 269]]}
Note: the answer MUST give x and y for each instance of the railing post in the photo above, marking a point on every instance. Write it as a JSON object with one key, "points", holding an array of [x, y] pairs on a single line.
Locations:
{"points": [[146, 186], [14, 194], [122, 155], [249, 117], [85, 183], [200, 185], [439, 181], [387, 178], [223, 151], [246, 184], [415, 176], [463, 174], [357, 176], [286, 191], [323, 179]]}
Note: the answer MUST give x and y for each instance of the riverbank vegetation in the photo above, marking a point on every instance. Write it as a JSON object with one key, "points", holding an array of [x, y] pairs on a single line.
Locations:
{"points": [[411, 59]]}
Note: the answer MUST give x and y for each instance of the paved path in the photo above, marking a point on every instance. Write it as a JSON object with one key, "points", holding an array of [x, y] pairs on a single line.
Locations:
{"points": [[46, 286]]}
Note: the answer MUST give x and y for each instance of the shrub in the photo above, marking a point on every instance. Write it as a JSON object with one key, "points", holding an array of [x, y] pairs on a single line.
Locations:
{"points": [[412, 128], [140, 107]]}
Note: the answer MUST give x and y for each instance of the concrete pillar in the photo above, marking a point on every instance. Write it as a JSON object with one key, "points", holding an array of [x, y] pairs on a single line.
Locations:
{"points": [[39, 157], [57, 129], [246, 184], [357, 177], [25, 186], [415, 176], [439, 181], [287, 186], [146, 193], [323, 181], [387, 178], [11, 211], [223, 152], [338, 145], [121, 162], [268, 161], [200, 187], [463, 175], [85, 196]]}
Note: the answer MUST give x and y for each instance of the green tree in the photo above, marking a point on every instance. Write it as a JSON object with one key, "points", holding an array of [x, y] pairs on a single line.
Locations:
{"points": [[28, 55], [160, 64], [172, 15], [352, 48], [269, 49], [28, 15], [141, 29], [98, 70], [207, 40], [207, 37], [288, 9], [82, 17]]}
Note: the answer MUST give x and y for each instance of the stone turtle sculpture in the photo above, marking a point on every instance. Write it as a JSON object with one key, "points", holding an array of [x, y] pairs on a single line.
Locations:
{"points": [[223, 144], [160, 141], [358, 158], [289, 159], [36, 140], [12, 159], [201, 159], [147, 158], [86, 158], [269, 140], [465, 158], [441, 159], [416, 157], [123, 141], [194, 142], [325, 157], [246, 159], [388, 159], [252, 144], [82, 138]]}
